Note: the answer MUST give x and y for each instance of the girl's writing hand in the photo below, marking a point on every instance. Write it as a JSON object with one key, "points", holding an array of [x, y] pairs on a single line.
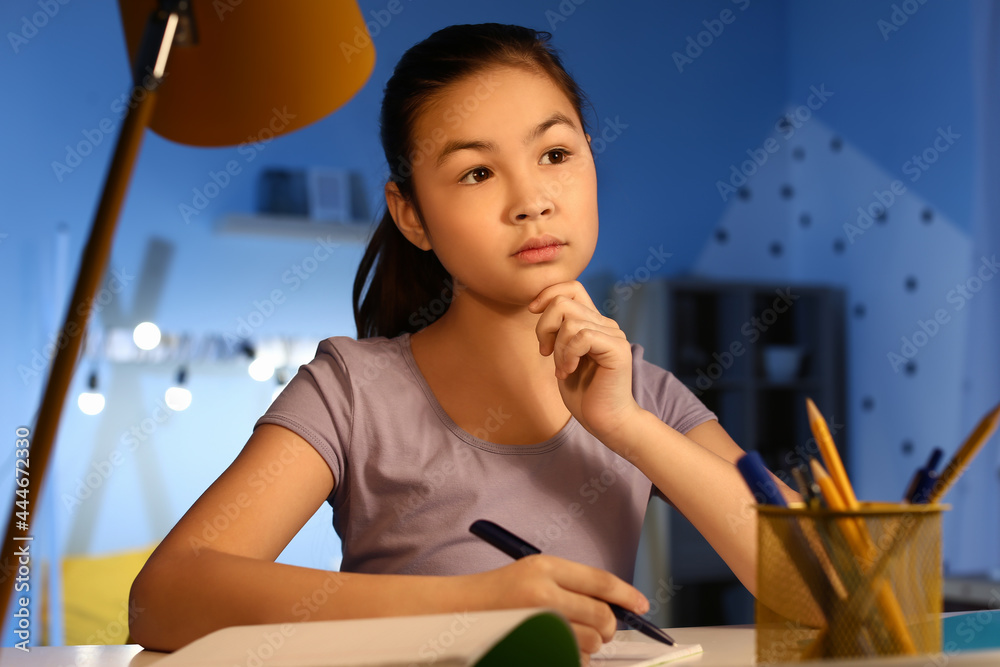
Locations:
{"points": [[592, 356], [580, 592]]}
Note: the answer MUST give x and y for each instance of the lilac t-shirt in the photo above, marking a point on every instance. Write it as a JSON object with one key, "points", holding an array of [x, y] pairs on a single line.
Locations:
{"points": [[409, 481]]}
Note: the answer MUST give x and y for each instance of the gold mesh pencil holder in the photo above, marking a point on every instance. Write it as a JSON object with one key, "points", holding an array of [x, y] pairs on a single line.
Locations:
{"points": [[846, 584]]}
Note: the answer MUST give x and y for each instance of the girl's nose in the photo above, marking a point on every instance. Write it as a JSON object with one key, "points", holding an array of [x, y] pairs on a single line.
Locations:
{"points": [[531, 198]]}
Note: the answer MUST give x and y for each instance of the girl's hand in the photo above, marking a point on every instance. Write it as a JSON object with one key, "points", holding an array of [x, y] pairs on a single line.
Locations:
{"points": [[592, 356], [580, 592]]}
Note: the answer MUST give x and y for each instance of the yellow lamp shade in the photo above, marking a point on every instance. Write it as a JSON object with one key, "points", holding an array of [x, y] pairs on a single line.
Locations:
{"points": [[258, 69]]}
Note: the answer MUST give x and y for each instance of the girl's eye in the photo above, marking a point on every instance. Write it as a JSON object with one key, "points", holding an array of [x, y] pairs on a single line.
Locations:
{"points": [[556, 156], [479, 174]]}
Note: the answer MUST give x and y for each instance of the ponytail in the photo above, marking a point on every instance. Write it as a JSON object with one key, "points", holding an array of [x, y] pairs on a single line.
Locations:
{"points": [[404, 279]]}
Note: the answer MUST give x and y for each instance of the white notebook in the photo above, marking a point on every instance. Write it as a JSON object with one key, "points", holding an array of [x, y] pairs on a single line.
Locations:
{"points": [[523, 637]]}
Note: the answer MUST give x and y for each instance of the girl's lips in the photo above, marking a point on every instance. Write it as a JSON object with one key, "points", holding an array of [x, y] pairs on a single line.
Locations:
{"points": [[543, 254]]}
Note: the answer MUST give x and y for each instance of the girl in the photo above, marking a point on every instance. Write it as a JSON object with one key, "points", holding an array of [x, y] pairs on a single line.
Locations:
{"points": [[483, 384]]}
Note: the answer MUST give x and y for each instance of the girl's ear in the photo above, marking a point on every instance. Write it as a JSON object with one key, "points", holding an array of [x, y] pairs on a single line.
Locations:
{"points": [[404, 214]]}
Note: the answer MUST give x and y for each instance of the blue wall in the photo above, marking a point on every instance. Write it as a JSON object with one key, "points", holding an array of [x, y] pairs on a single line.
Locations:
{"points": [[685, 125], [895, 86]]}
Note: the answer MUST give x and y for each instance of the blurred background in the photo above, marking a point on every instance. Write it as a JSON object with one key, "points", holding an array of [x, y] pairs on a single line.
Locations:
{"points": [[797, 199]]}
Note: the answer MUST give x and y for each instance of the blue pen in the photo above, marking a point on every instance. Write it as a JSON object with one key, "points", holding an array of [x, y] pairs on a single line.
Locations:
{"points": [[515, 547], [766, 492], [919, 489], [761, 484]]}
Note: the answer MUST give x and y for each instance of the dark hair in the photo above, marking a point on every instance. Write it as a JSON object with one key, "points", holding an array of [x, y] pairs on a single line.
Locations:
{"points": [[409, 288]]}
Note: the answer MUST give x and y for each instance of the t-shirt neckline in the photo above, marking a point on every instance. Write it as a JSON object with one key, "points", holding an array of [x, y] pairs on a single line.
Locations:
{"points": [[540, 448]]}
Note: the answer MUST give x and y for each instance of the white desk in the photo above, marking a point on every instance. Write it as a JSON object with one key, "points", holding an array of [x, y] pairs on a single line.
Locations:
{"points": [[725, 646]]}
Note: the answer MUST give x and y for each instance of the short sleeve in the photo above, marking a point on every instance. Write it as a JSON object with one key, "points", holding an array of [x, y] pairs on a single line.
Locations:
{"points": [[318, 405], [659, 391]]}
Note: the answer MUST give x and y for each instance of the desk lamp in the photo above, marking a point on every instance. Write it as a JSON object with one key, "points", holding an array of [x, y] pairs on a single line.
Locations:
{"points": [[205, 73]]}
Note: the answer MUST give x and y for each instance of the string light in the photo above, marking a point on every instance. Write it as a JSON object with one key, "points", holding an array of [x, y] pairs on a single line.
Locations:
{"points": [[146, 336], [178, 397], [91, 402]]}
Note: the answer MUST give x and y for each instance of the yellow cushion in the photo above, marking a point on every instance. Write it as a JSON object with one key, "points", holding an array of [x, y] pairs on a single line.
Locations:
{"points": [[95, 596]]}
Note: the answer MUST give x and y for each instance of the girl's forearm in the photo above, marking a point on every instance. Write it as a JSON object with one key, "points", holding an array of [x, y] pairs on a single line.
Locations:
{"points": [[707, 489], [177, 599]]}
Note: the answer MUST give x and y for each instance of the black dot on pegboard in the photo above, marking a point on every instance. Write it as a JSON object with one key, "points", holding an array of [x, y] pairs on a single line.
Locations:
{"points": [[744, 193], [860, 310], [805, 219], [838, 246], [787, 191], [910, 368], [836, 144], [721, 235], [776, 249], [882, 216], [907, 447], [927, 215], [799, 153], [911, 284], [867, 403]]}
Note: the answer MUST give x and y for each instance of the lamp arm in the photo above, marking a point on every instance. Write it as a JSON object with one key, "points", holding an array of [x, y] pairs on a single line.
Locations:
{"points": [[157, 41]]}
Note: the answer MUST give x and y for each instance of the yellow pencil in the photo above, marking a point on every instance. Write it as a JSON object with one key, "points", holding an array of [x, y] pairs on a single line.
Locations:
{"points": [[858, 538], [851, 575], [965, 453], [831, 458]]}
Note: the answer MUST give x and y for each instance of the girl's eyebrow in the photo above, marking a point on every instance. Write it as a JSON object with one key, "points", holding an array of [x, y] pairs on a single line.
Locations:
{"points": [[482, 145]]}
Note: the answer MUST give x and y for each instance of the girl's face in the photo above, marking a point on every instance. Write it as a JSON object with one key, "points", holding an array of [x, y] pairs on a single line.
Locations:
{"points": [[501, 161]]}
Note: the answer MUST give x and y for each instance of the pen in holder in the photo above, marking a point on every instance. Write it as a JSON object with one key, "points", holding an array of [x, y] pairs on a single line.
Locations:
{"points": [[880, 592]]}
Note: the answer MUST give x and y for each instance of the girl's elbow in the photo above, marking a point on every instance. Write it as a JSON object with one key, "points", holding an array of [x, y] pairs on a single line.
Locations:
{"points": [[145, 605]]}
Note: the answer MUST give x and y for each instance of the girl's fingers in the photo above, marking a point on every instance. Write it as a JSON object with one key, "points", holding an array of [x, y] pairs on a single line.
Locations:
{"points": [[576, 340], [592, 583], [571, 290], [561, 311], [587, 639]]}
